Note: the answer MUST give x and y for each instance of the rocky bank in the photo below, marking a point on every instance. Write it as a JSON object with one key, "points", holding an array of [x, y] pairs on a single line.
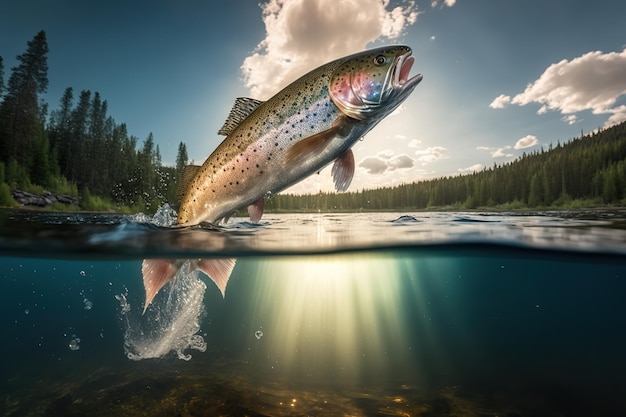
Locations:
{"points": [[48, 198]]}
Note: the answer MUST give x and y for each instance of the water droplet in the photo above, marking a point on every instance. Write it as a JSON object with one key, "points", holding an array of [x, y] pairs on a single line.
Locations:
{"points": [[258, 334]]}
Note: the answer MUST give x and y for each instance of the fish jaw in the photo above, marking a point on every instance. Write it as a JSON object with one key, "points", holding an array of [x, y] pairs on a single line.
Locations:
{"points": [[400, 85]]}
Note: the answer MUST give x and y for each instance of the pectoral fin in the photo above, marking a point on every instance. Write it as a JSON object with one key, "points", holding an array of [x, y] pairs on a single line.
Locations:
{"points": [[343, 170], [255, 210], [315, 144]]}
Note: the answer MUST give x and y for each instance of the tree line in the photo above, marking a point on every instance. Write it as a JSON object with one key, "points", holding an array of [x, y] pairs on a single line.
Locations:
{"points": [[79, 149], [588, 171]]}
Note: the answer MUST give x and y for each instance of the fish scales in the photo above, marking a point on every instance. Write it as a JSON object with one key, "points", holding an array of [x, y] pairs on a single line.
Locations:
{"points": [[251, 158]]}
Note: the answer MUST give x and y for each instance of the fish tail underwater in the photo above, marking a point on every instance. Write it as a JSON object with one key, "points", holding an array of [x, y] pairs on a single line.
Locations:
{"points": [[421, 314]]}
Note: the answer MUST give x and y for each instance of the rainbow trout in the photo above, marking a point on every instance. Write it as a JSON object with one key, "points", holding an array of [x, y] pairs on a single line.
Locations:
{"points": [[271, 145]]}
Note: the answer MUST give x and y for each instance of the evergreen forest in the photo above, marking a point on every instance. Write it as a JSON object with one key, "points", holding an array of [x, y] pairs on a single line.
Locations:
{"points": [[78, 149], [81, 151]]}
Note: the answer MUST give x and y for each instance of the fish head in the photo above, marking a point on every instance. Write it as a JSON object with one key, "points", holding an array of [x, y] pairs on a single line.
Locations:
{"points": [[373, 83]]}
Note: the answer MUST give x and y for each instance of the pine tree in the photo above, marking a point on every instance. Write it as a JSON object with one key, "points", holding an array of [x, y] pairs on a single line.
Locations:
{"points": [[182, 158], [20, 111], [1, 77], [59, 130], [79, 124]]}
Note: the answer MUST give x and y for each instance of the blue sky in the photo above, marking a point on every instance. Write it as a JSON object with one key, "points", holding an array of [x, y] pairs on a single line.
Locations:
{"points": [[500, 77]]}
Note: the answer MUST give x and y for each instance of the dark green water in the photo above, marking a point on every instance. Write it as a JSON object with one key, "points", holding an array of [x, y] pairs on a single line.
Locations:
{"points": [[458, 323]]}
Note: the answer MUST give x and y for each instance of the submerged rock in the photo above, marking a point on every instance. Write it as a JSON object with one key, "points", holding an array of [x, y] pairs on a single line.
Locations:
{"points": [[46, 199]]}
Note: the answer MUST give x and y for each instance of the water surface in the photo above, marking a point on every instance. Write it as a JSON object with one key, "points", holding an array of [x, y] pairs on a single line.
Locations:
{"points": [[421, 314]]}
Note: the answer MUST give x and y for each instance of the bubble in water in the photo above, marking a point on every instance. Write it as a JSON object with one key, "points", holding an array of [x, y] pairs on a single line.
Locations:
{"points": [[123, 303], [258, 334], [88, 304], [27, 311], [82, 273], [74, 343]]}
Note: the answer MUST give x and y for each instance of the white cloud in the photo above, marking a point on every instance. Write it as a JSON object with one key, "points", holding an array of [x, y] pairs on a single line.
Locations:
{"points": [[415, 143], [593, 81], [527, 141], [403, 161], [500, 102], [618, 115], [497, 152], [431, 154], [570, 119], [386, 161], [373, 165], [501, 153], [303, 34], [471, 169], [449, 3]]}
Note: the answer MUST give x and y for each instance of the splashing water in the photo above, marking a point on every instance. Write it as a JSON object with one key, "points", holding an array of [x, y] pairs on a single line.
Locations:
{"points": [[124, 305], [170, 324], [165, 216]]}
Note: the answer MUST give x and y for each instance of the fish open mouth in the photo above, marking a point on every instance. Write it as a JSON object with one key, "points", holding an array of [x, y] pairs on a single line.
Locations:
{"points": [[402, 70]]}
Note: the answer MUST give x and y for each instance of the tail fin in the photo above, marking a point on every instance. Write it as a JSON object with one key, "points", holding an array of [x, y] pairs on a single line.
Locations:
{"points": [[158, 272]]}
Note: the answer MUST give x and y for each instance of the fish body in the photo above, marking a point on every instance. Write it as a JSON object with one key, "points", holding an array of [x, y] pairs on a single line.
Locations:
{"points": [[271, 145]]}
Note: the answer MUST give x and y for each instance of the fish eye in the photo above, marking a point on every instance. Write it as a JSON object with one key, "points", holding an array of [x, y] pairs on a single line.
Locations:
{"points": [[380, 60]]}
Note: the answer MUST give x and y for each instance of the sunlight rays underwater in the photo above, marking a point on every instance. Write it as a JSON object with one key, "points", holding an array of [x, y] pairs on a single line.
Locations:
{"points": [[352, 316]]}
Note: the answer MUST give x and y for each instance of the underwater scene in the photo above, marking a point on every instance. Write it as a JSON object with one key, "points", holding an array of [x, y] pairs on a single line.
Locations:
{"points": [[349, 314]]}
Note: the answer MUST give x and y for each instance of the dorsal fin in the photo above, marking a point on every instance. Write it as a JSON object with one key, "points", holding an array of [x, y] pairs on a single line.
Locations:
{"points": [[241, 109], [187, 175]]}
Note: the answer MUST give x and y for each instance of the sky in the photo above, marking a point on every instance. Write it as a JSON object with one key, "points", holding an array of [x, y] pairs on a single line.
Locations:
{"points": [[500, 77]]}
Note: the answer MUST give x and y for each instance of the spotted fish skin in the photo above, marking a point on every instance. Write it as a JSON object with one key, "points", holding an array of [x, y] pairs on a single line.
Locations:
{"points": [[271, 145], [255, 158]]}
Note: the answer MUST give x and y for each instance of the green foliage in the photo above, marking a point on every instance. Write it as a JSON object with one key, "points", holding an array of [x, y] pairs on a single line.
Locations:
{"points": [[81, 148], [6, 200], [21, 114], [1, 77], [90, 202], [57, 206]]}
